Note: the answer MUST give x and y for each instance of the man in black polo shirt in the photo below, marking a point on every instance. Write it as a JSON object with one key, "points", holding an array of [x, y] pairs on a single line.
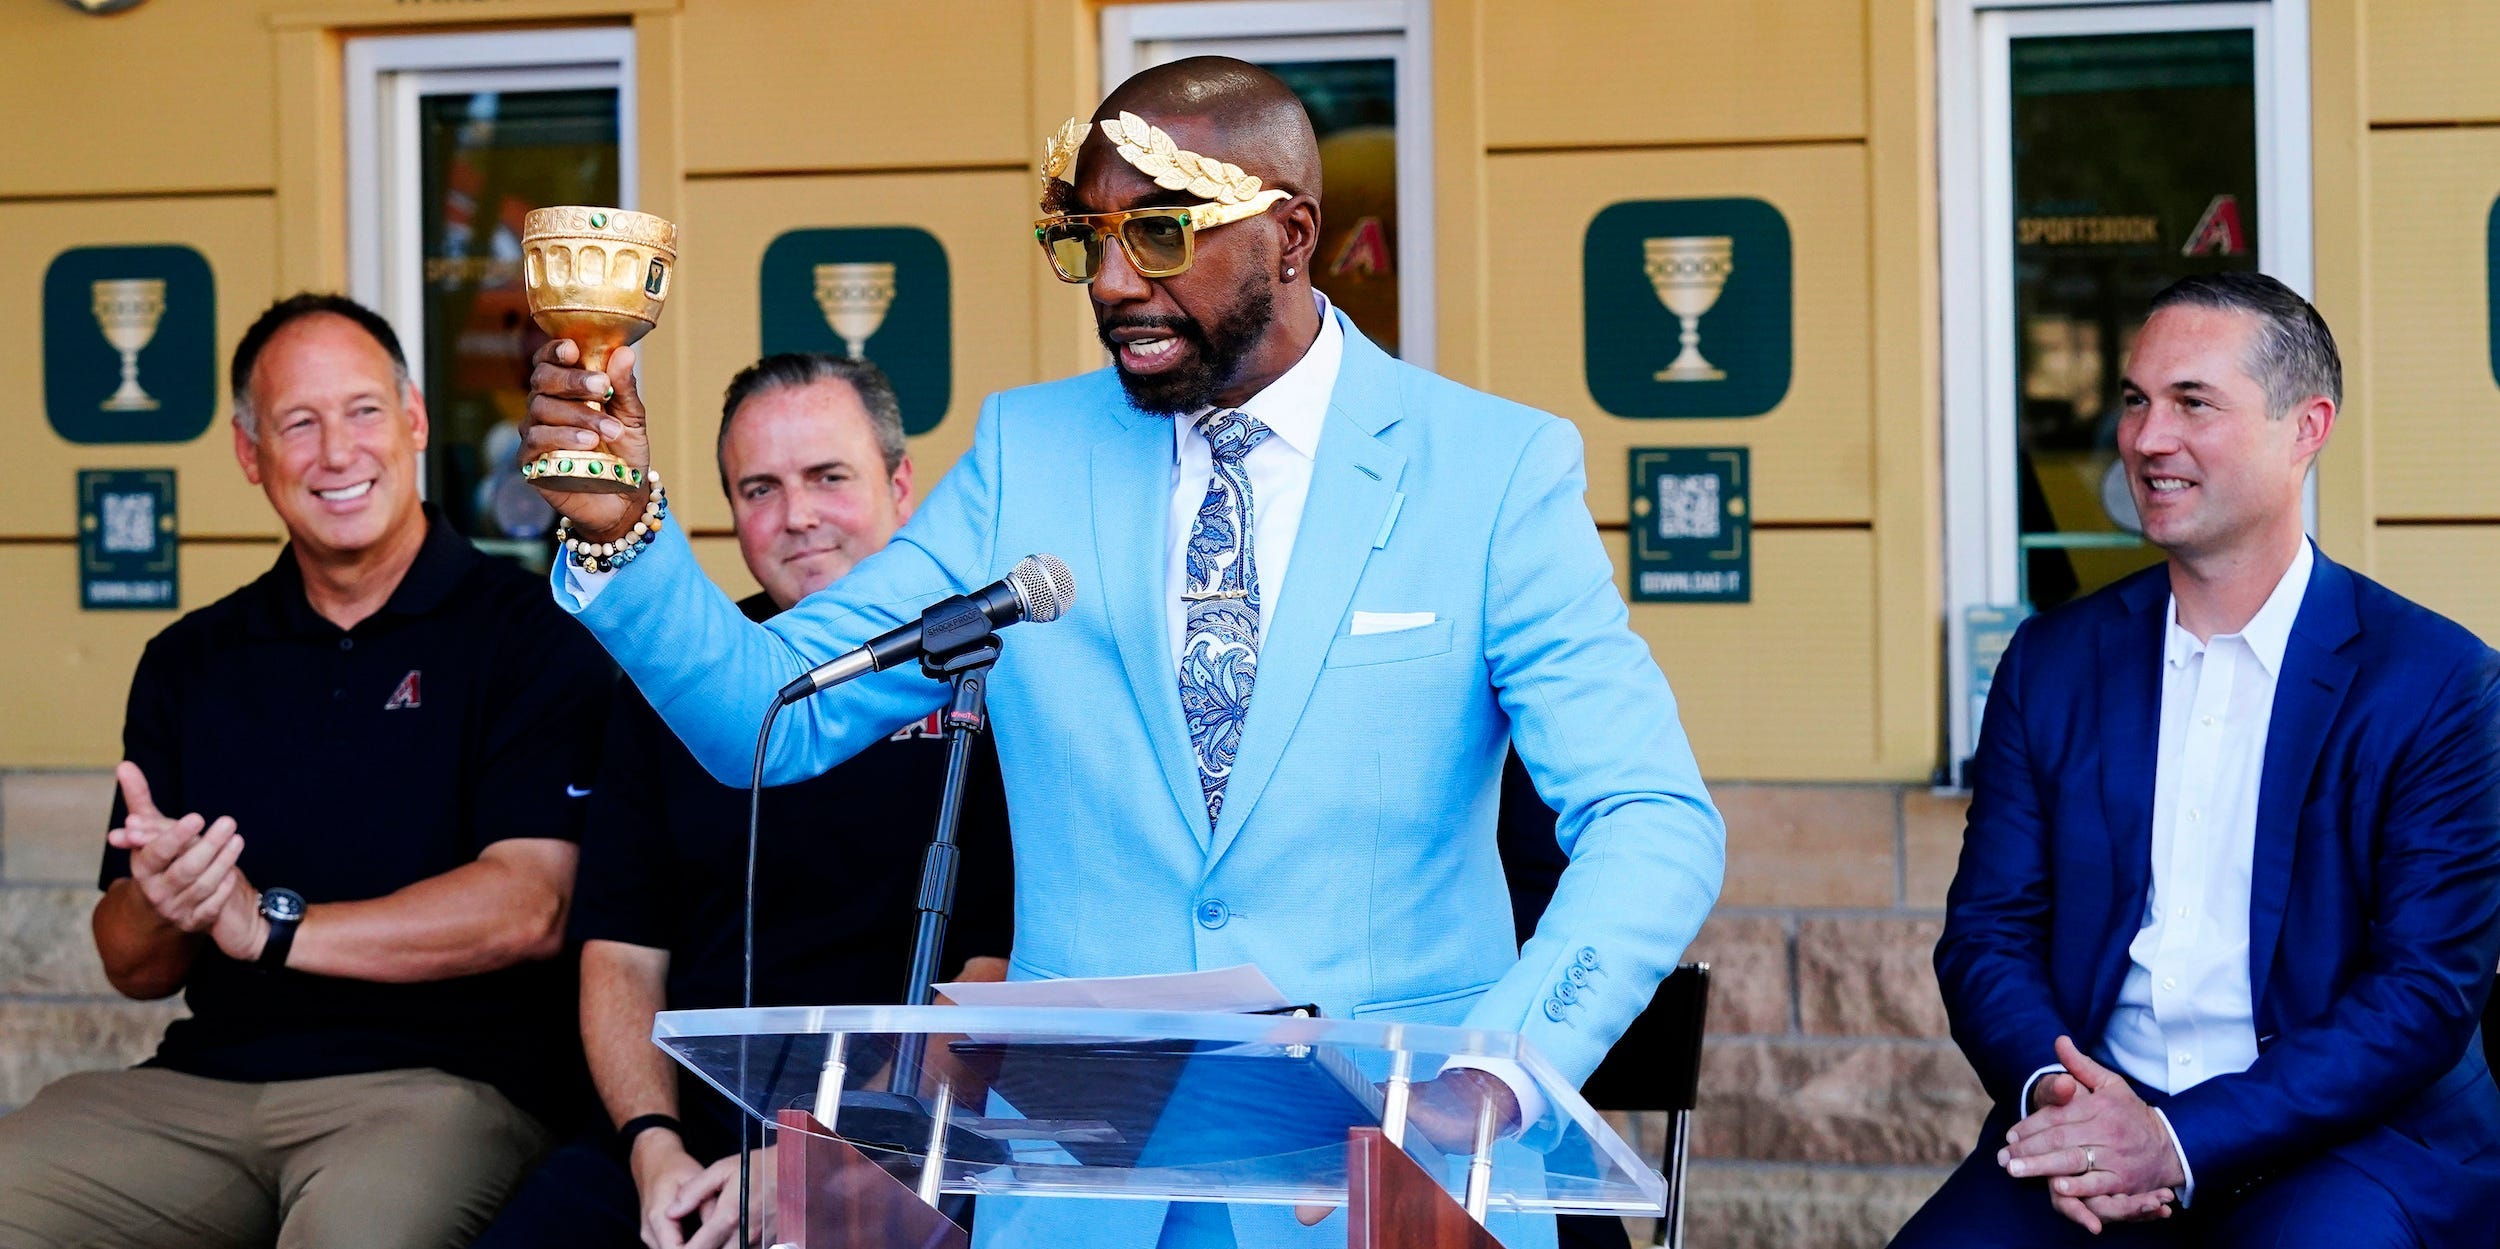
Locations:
{"points": [[811, 454], [346, 834]]}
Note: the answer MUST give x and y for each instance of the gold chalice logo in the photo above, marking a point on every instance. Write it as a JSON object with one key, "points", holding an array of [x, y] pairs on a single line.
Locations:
{"points": [[855, 297], [128, 309], [597, 276], [1688, 274]]}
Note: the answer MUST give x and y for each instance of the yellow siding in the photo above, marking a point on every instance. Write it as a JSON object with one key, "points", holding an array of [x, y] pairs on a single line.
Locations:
{"points": [[2432, 60], [65, 675], [2452, 569], [1782, 688], [1621, 72], [882, 84], [37, 466], [2435, 420], [167, 97], [1811, 453], [982, 219]]}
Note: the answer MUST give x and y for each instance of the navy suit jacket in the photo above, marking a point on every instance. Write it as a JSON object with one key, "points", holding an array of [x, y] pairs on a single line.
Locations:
{"points": [[2374, 909]]}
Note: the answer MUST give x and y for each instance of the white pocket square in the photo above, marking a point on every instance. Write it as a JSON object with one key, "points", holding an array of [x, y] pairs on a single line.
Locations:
{"points": [[1366, 622]]}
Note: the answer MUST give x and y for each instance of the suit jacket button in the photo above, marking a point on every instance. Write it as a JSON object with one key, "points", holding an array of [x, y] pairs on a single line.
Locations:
{"points": [[1553, 1010], [1212, 913], [1576, 974], [1587, 957]]}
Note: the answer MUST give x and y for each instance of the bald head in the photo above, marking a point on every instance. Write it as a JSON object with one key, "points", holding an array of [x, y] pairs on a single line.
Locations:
{"points": [[1252, 119]]}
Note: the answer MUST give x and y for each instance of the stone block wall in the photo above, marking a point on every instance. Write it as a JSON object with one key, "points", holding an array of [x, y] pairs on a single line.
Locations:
{"points": [[1832, 1100], [1832, 1103], [57, 1014]]}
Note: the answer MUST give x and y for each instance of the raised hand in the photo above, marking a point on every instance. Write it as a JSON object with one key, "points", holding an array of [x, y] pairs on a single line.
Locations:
{"points": [[2104, 1152], [561, 419]]}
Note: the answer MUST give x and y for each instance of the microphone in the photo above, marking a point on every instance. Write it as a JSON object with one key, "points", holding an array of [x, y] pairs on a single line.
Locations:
{"points": [[1038, 589]]}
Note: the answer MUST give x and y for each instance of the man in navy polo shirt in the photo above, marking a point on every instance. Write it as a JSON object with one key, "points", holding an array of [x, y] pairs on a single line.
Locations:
{"points": [[812, 457], [346, 834]]}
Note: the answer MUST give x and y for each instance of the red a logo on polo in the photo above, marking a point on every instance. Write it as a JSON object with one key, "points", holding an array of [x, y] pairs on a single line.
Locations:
{"points": [[406, 695]]}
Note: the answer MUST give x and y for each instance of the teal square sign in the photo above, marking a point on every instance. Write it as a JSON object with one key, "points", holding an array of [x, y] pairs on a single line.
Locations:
{"points": [[1692, 525], [1687, 308], [130, 344], [127, 540], [880, 293], [2491, 283]]}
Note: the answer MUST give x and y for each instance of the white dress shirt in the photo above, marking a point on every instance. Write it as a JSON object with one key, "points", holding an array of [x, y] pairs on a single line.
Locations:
{"points": [[2186, 1012], [1294, 407]]}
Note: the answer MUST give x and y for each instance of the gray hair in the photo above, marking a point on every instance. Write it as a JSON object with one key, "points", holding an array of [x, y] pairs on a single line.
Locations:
{"points": [[791, 369], [2294, 354]]}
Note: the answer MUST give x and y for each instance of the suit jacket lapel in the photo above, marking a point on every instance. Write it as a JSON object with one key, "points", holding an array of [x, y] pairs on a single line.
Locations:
{"points": [[2130, 748], [1132, 481], [1352, 486], [2307, 694]]}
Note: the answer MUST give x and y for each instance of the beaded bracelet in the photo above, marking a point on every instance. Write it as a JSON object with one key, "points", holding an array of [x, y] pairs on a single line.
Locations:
{"points": [[610, 556]]}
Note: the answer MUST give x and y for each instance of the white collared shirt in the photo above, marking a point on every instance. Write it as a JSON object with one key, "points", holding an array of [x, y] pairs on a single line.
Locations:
{"points": [[1295, 407], [2186, 1012]]}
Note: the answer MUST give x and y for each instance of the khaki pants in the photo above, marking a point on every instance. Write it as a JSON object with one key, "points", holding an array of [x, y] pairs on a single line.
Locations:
{"points": [[143, 1159]]}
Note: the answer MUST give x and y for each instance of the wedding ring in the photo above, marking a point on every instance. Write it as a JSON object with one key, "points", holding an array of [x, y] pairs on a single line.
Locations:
{"points": [[2088, 1163]]}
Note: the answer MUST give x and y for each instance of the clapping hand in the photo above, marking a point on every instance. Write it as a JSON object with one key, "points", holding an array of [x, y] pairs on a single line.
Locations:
{"points": [[2106, 1155], [185, 868]]}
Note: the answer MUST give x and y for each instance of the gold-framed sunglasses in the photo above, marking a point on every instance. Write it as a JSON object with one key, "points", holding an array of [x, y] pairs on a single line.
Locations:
{"points": [[1160, 242]]}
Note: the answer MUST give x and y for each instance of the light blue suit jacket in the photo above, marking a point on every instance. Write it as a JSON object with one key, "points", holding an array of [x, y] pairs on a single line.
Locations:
{"points": [[1356, 860]]}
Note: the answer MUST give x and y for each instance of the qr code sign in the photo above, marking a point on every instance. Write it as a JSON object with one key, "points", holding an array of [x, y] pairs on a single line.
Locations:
{"points": [[1688, 505], [129, 523]]}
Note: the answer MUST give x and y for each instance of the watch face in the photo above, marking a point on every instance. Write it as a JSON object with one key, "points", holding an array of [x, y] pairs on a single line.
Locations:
{"points": [[282, 904]]}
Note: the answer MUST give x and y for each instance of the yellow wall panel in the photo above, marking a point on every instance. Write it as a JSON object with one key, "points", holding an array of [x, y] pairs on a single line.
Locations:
{"points": [[2435, 410], [37, 471], [1614, 72], [1811, 454], [65, 676], [984, 221], [866, 84], [165, 97], [2431, 60], [2447, 568], [1781, 688]]}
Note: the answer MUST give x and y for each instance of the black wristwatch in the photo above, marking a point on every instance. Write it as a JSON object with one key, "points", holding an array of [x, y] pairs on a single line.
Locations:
{"points": [[284, 909]]}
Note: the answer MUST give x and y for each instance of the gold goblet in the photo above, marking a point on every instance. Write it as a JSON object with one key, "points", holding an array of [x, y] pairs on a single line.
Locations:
{"points": [[597, 276], [1688, 273], [127, 310], [854, 296]]}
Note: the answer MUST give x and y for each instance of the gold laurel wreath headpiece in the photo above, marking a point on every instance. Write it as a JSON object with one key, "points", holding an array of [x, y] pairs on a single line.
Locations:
{"points": [[1154, 154]]}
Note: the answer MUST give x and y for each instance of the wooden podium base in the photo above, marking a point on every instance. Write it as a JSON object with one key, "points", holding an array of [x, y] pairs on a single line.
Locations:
{"points": [[832, 1196], [1396, 1206]]}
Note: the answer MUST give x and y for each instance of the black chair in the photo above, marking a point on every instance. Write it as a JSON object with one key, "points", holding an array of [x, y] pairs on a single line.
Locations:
{"points": [[1657, 1066]]}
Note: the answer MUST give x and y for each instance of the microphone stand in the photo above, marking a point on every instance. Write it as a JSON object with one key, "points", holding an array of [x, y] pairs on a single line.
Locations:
{"points": [[967, 672]]}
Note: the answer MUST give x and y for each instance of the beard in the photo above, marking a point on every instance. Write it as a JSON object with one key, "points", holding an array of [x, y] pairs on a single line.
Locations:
{"points": [[1215, 356]]}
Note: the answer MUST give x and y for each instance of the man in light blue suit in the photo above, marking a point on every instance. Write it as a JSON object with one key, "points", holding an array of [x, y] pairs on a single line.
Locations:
{"points": [[1320, 592]]}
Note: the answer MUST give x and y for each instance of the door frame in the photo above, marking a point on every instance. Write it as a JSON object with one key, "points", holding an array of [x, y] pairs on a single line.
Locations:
{"points": [[1981, 510]]}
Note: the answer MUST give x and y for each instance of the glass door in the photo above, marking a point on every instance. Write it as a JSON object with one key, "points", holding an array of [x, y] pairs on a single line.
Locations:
{"points": [[2099, 154], [464, 135]]}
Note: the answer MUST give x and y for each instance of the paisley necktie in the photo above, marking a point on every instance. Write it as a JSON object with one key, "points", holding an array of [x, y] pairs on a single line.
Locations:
{"points": [[1220, 653]]}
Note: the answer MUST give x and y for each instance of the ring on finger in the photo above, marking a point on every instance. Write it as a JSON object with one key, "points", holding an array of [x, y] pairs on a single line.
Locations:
{"points": [[2089, 1163]]}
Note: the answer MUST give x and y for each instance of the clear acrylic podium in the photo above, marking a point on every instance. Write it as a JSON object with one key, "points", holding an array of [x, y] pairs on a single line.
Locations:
{"points": [[1081, 1103]]}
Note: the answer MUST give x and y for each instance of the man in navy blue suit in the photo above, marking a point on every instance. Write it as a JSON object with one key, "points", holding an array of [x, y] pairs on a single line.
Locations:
{"points": [[2229, 901]]}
